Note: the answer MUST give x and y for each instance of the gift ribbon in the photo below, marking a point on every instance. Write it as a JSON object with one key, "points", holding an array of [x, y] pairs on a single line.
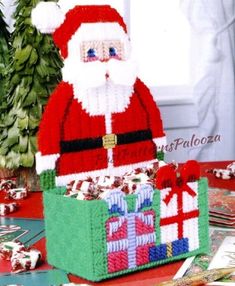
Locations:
{"points": [[178, 190]]}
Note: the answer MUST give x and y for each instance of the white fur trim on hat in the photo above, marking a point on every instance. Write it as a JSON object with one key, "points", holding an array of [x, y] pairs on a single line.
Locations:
{"points": [[47, 17]]}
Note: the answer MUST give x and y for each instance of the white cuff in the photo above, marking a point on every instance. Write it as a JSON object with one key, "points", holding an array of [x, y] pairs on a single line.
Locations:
{"points": [[45, 162], [160, 143]]}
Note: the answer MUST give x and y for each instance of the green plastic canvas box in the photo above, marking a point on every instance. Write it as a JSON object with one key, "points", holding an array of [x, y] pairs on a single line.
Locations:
{"points": [[101, 239]]}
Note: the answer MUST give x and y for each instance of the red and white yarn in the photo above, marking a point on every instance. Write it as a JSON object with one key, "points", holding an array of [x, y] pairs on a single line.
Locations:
{"points": [[104, 96]]}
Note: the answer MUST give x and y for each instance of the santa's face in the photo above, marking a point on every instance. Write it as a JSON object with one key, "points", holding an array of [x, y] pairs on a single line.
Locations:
{"points": [[102, 50], [100, 70]]}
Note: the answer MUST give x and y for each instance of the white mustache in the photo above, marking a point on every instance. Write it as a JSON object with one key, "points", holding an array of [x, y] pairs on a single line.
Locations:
{"points": [[96, 74]]}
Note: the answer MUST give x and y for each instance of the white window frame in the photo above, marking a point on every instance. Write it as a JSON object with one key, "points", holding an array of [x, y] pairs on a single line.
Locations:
{"points": [[177, 103]]}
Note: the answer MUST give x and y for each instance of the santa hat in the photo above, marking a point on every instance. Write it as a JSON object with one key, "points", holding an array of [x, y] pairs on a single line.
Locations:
{"points": [[48, 17]]}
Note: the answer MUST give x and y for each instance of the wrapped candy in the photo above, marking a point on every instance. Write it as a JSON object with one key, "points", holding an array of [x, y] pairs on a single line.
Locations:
{"points": [[25, 260], [22, 258], [17, 193], [8, 208], [84, 197], [7, 248], [231, 167], [75, 187], [225, 174], [6, 185], [97, 188], [131, 182]]}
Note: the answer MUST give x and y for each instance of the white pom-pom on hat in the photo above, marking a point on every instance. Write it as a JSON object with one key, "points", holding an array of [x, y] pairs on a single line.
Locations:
{"points": [[47, 17]]}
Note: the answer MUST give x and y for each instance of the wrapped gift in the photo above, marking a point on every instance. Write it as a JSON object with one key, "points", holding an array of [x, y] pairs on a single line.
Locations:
{"points": [[123, 233], [131, 234], [180, 208]]}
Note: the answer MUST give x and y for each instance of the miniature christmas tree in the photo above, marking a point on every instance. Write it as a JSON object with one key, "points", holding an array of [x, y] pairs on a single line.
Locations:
{"points": [[33, 73], [4, 55]]}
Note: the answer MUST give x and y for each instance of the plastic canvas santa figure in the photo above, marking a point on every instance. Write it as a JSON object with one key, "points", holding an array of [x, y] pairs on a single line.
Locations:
{"points": [[101, 119]]}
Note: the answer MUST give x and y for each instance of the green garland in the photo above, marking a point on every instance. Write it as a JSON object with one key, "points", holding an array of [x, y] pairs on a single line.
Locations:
{"points": [[33, 73]]}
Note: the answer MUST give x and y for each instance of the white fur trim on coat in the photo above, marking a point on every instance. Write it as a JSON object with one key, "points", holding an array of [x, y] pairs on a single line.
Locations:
{"points": [[47, 17], [114, 171], [160, 143], [45, 162]]}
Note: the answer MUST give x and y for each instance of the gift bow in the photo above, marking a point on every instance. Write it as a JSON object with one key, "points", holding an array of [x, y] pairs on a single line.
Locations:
{"points": [[167, 177], [117, 203]]}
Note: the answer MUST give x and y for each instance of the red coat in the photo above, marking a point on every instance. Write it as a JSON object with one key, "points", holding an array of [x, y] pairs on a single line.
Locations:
{"points": [[64, 120]]}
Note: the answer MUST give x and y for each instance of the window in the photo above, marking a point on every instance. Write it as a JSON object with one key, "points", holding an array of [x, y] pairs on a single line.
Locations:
{"points": [[160, 36]]}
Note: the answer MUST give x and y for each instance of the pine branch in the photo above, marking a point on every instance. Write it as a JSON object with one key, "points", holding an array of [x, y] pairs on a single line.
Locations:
{"points": [[33, 73], [4, 55]]}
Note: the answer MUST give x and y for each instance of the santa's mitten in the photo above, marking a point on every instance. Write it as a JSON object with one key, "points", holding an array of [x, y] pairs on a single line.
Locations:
{"points": [[47, 180]]}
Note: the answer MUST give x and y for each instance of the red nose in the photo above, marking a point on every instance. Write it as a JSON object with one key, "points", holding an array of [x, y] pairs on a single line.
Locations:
{"points": [[104, 60]]}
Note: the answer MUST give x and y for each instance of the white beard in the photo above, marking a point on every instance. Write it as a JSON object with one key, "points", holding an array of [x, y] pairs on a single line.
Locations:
{"points": [[106, 99], [97, 94]]}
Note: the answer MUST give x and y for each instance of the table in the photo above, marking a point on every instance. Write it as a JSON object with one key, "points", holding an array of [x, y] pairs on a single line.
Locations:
{"points": [[32, 208]]}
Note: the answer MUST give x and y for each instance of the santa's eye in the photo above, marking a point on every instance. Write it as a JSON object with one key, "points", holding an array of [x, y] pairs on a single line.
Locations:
{"points": [[91, 53], [112, 52]]}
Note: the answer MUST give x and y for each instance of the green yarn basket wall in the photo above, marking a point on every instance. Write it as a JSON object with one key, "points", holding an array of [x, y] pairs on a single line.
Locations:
{"points": [[76, 234]]}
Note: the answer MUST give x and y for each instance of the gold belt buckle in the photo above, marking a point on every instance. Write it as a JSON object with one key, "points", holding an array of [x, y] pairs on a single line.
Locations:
{"points": [[109, 141]]}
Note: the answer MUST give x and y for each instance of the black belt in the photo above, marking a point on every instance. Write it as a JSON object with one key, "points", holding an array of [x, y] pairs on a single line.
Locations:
{"points": [[108, 141]]}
